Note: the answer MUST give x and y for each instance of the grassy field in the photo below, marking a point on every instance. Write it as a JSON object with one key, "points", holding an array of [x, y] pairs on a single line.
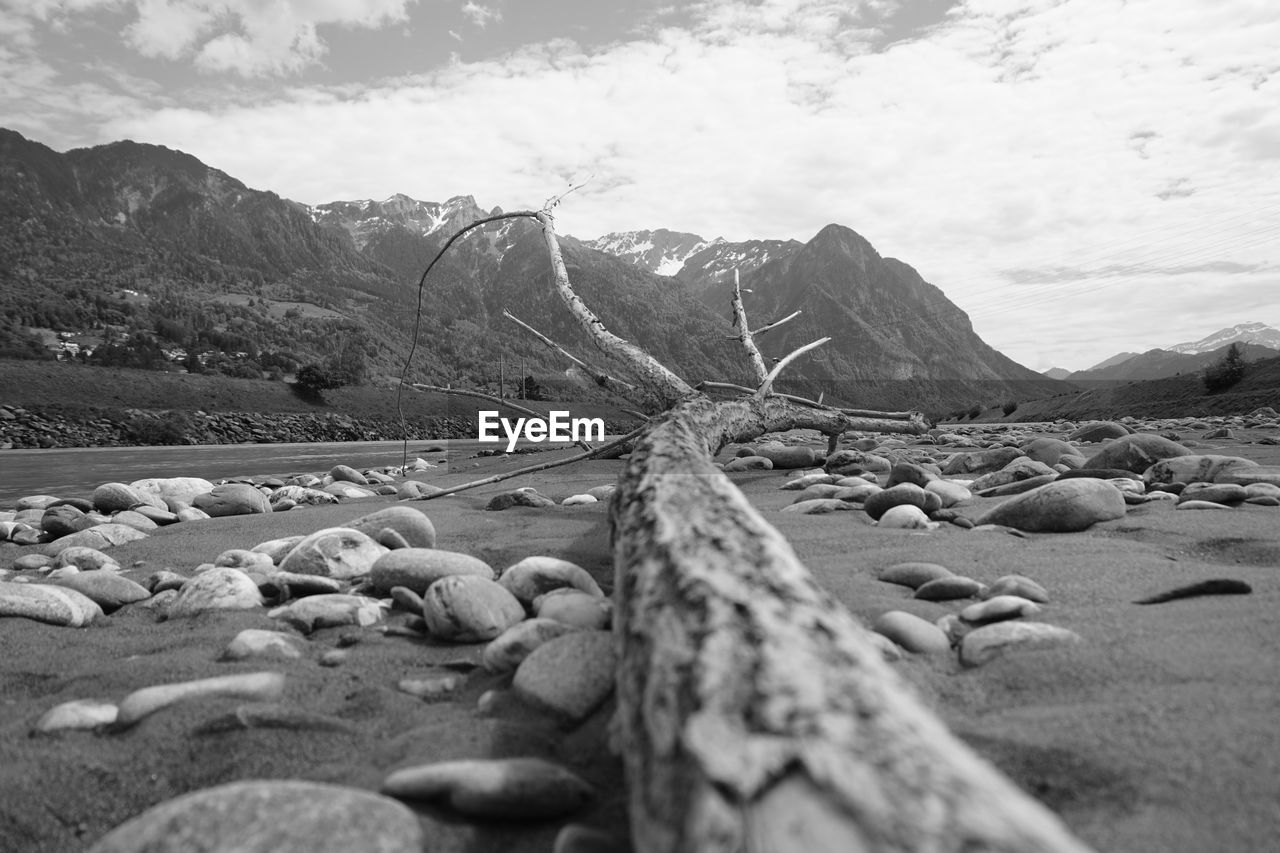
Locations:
{"points": [[79, 390]]}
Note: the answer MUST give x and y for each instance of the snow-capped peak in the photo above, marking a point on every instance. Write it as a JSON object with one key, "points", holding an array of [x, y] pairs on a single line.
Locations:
{"points": [[1241, 333], [663, 252]]}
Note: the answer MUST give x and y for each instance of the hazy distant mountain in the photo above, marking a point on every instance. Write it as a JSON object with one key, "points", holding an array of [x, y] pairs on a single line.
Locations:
{"points": [[1057, 373], [1118, 358], [1241, 333], [1161, 363], [1259, 340], [146, 242]]}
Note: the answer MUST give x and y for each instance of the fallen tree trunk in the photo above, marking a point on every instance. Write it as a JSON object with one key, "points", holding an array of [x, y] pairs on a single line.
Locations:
{"points": [[754, 713]]}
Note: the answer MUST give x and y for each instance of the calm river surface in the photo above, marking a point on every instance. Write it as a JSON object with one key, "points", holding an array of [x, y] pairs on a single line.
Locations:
{"points": [[76, 472]]}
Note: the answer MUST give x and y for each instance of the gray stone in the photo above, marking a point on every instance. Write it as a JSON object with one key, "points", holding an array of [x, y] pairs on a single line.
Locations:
{"points": [[574, 607], [569, 675], [914, 634], [818, 506], [85, 559], [255, 642], [173, 488], [516, 498], [984, 644], [906, 517], [410, 523], [108, 590], [949, 589], [347, 474], [537, 575], [1063, 506], [748, 463], [419, 568], [978, 462], [787, 458], [1221, 493], [63, 520], [998, 608], [1098, 431], [1052, 451], [513, 645], [914, 575], [903, 494], [47, 603], [232, 499], [99, 536], [332, 610], [216, 589], [335, 552], [117, 497], [1022, 468], [1018, 585], [846, 463], [276, 816], [504, 788], [469, 609], [1136, 453], [1206, 468]]}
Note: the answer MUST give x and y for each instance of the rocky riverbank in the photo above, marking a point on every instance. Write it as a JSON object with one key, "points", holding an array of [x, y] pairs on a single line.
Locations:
{"points": [[23, 427], [1085, 605]]}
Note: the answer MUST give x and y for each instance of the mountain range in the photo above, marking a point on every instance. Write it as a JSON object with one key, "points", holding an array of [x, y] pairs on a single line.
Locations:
{"points": [[1256, 341], [140, 241]]}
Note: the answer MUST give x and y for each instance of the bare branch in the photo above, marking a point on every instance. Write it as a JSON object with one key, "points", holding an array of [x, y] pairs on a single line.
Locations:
{"points": [[744, 333], [656, 378], [863, 420], [775, 324], [767, 385], [542, 466], [604, 380]]}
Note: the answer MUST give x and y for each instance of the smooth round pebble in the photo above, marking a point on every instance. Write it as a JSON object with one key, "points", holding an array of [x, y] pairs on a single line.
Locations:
{"points": [[914, 634], [270, 816], [999, 608], [469, 609], [914, 575], [984, 644], [949, 589]]}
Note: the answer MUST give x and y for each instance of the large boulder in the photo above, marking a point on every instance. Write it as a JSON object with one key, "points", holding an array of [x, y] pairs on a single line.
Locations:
{"points": [[978, 462], [232, 499], [1136, 452], [1098, 431], [1196, 469], [1063, 506], [173, 488]]}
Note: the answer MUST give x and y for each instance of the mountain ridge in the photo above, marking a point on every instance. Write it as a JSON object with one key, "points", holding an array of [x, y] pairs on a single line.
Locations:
{"points": [[147, 241]]}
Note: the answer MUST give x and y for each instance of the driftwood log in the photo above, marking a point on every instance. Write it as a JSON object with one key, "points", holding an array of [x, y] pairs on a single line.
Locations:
{"points": [[754, 713]]}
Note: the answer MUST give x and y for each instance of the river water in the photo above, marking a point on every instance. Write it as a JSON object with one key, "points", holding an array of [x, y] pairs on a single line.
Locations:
{"points": [[76, 472]]}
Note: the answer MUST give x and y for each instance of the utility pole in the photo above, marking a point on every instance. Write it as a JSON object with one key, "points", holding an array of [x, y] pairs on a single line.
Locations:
{"points": [[502, 375]]}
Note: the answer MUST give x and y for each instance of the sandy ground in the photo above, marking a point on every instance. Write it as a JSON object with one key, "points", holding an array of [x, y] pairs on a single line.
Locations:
{"points": [[1159, 733]]}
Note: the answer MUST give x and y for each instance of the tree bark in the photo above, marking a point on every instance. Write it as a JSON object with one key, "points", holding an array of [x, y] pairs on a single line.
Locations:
{"points": [[754, 713]]}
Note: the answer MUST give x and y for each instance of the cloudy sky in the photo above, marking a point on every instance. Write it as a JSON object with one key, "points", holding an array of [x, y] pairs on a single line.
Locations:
{"points": [[1081, 176]]}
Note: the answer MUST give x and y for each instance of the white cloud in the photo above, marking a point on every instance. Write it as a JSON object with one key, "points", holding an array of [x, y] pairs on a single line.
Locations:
{"points": [[248, 37], [1018, 154], [479, 14]]}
